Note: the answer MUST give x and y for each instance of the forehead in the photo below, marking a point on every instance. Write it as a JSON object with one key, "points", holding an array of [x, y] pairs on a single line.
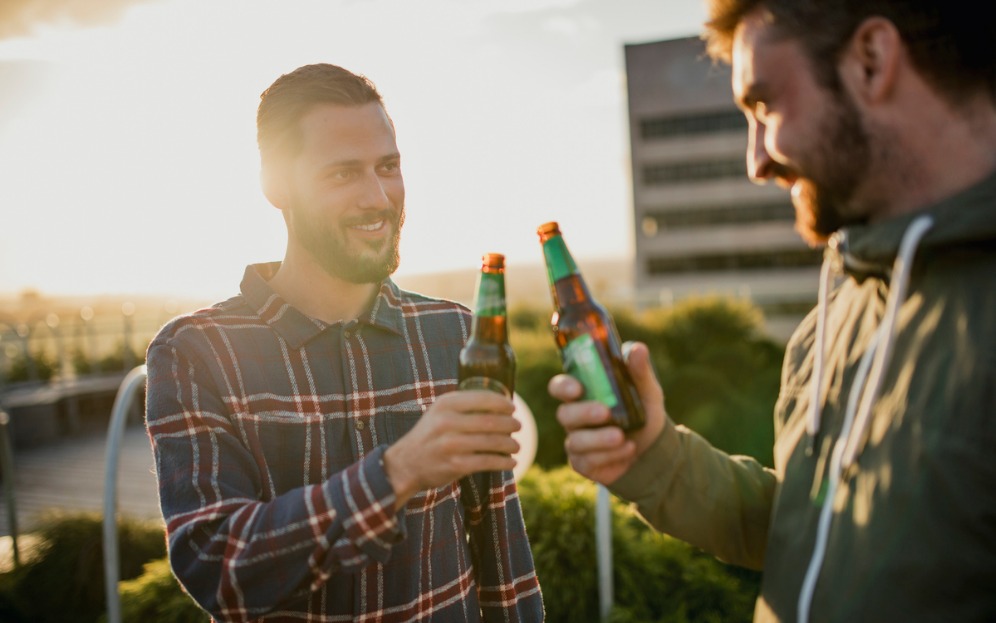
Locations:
{"points": [[761, 57], [357, 132]]}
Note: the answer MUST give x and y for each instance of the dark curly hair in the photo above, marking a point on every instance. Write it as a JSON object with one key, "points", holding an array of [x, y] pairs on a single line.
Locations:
{"points": [[951, 42]]}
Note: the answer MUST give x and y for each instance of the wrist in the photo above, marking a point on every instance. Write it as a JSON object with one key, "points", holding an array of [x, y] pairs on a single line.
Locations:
{"points": [[399, 477]]}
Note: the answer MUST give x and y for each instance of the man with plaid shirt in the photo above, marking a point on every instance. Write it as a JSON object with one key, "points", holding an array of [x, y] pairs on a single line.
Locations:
{"points": [[314, 462]]}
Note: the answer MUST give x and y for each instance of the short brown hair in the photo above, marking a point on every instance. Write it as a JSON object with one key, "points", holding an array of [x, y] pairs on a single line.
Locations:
{"points": [[293, 94], [951, 42]]}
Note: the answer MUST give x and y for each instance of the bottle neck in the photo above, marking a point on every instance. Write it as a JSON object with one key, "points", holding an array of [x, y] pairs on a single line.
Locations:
{"points": [[489, 321], [491, 329], [567, 286]]}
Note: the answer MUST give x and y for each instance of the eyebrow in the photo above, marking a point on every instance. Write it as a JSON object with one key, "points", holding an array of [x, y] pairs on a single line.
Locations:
{"points": [[354, 162]]}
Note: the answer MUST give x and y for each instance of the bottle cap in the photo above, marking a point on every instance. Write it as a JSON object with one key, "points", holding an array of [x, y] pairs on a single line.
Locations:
{"points": [[493, 260], [547, 229]]}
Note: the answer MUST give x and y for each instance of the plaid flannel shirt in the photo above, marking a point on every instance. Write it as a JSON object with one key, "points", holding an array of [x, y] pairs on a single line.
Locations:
{"points": [[268, 429]]}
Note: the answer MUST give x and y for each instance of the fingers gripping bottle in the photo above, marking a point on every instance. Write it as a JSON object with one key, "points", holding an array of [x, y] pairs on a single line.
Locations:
{"points": [[487, 360], [587, 336]]}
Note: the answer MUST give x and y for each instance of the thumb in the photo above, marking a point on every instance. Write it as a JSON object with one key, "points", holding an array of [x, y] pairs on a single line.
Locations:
{"points": [[637, 357]]}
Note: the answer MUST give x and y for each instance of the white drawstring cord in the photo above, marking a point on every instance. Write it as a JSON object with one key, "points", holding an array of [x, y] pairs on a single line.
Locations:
{"points": [[846, 447], [815, 404], [826, 511], [897, 294]]}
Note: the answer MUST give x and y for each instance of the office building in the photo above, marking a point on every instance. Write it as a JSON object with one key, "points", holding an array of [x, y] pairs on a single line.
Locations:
{"points": [[701, 226]]}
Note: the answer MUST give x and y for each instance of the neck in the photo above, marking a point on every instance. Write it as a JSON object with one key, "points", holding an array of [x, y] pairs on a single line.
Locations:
{"points": [[944, 151], [307, 287]]}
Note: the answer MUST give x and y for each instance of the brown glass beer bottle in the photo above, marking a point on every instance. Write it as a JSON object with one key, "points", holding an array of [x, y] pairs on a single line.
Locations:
{"points": [[587, 336], [487, 360]]}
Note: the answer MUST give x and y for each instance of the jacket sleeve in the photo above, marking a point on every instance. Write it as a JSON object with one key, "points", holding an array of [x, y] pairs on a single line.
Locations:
{"points": [[685, 487], [238, 555], [507, 585]]}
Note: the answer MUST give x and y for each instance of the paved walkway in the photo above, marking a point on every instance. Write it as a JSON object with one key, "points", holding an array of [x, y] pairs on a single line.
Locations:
{"points": [[69, 475]]}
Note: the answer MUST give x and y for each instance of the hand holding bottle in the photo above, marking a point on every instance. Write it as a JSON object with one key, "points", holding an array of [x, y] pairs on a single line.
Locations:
{"points": [[459, 434], [596, 447], [586, 335]]}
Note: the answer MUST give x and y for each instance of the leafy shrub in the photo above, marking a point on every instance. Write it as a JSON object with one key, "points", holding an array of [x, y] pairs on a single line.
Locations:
{"points": [[537, 361], [41, 367], [157, 596], [118, 359], [63, 580], [655, 577]]}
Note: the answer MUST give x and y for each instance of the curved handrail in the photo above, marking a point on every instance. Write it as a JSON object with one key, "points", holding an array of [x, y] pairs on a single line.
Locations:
{"points": [[115, 431], [7, 467]]}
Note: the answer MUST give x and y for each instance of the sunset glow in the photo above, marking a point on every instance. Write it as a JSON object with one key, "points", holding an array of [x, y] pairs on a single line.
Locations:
{"points": [[127, 140]]}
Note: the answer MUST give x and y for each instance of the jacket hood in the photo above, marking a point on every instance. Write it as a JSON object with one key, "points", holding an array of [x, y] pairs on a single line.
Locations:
{"points": [[965, 219]]}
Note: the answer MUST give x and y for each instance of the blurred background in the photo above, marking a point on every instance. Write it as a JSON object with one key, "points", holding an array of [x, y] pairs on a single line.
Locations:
{"points": [[127, 130], [129, 193]]}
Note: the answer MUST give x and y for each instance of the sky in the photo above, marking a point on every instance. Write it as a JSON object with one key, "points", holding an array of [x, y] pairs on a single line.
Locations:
{"points": [[128, 161]]}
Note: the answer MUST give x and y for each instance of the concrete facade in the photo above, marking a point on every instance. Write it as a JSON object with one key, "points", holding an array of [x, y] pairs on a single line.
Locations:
{"points": [[701, 226]]}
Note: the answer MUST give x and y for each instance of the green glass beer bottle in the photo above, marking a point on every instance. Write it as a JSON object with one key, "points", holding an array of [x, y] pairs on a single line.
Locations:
{"points": [[586, 335], [487, 360]]}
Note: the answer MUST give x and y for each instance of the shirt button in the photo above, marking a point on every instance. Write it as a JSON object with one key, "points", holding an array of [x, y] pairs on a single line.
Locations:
{"points": [[360, 425]]}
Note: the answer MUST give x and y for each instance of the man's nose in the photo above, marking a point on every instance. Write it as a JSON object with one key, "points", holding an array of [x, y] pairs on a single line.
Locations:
{"points": [[759, 163], [374, 193]]}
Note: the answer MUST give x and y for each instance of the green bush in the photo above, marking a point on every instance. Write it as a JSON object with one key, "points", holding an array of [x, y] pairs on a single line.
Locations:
{"points": [[62, 581], [41, 367], [537, 361], [156, 596], [655, 577], [118, 359]]}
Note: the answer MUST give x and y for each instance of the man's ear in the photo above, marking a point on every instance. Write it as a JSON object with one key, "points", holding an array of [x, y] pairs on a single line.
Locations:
{"points": [[870, 62]]}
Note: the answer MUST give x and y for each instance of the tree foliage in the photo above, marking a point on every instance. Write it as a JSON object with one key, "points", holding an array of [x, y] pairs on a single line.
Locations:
{"points": [[656, 578]]}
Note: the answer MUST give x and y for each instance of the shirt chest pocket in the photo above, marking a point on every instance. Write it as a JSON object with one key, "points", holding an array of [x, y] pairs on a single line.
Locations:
{"points": [[385, 427], [390, 425]]}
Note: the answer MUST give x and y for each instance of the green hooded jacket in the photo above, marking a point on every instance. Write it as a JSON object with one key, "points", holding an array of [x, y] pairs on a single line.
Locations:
{"points": [[882, 503]]}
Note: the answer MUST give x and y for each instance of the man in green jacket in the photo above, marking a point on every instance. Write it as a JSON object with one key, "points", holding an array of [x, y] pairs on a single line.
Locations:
{"points": [[880, 117]]}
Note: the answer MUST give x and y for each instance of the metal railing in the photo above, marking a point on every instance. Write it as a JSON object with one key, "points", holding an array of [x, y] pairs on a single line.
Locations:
{"points": [[123, 402], [7, 467]]}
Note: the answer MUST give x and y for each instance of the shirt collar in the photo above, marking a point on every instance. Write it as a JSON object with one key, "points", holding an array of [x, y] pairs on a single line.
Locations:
{"points": [[385, 311]]}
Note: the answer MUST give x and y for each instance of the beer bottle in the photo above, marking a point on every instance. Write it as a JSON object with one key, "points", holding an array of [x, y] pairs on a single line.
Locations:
{"points": [[487, 360], [586, 335]]}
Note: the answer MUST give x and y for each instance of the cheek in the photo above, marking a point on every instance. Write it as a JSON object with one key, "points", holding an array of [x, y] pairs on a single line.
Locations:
{"points": [[395, 189]]}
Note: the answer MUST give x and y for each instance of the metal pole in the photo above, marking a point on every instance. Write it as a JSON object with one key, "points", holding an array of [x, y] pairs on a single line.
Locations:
{"points": [[132, 382], [603, 544], [7, 465]]}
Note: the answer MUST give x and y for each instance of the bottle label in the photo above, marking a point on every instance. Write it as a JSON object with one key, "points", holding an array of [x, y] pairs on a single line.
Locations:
{"points": [[581, 361], [485, 382], [490, 295]]}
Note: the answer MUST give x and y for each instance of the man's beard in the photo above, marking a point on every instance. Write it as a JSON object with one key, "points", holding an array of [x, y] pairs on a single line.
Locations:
{"points": [[837, 167], [352, 261]]}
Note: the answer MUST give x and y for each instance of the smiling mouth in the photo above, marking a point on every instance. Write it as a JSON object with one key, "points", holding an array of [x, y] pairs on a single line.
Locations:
{"points": [[370, 227]]}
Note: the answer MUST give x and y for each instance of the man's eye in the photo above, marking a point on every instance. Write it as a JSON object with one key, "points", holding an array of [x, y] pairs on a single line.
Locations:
{"points": [[390, 167], [340, 175]]}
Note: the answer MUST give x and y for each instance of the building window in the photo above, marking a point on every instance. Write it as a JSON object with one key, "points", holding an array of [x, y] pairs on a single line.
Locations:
{"points": [[745, 260], [693, 171], [705, 216], [684, 125]]}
